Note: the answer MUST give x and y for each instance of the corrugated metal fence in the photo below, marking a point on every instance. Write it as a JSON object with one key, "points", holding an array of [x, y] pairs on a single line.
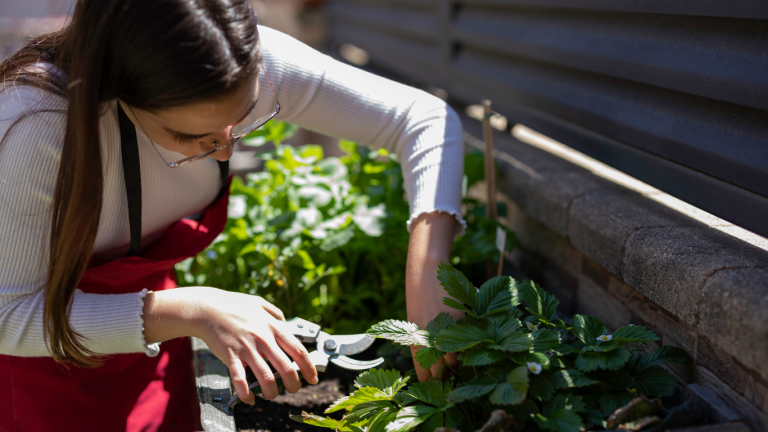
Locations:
{"points": [[674, 93]]}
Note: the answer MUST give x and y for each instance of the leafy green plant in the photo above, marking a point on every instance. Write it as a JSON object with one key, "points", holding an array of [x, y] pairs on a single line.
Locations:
{"points": [[323, 238], [546, 373]]}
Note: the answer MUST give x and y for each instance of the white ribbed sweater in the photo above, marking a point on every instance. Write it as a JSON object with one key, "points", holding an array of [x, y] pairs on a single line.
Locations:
{"points": [[315, 91]]}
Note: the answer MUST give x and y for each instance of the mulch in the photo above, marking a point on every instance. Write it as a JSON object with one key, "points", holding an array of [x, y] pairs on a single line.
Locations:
{"points": [[273, 416]]}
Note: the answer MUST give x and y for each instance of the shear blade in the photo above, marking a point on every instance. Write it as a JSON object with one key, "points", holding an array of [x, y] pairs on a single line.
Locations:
{"points": [[351, 344], [352, 364]]}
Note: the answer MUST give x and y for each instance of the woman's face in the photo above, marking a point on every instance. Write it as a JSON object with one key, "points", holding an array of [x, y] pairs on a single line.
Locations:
{"points": [[189, 129]]}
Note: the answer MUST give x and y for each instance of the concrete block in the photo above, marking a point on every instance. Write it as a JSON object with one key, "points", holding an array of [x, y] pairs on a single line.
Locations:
{"points": [[755, 418], [671, 265], [595, 301], [599, 223], [546, 196], [733, 313]]}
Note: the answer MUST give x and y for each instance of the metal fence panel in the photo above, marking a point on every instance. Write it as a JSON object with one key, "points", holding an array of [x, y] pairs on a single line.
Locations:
{"points": [[672, 93]]}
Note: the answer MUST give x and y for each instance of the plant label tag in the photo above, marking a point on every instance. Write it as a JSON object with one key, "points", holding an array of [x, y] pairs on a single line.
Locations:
{"points": [[501, 239]]}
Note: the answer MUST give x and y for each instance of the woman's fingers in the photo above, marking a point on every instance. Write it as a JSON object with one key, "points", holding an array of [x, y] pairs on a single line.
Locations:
{"points": [[284, 368], [272, 309], [267, 379], [299, 354], [237, 372]]}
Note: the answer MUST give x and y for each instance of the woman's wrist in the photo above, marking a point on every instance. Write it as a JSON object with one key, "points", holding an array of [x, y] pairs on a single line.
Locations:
{"points": [[175, 313]]}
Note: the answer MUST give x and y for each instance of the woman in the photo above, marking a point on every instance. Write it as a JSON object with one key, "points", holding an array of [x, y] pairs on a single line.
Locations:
{"points": [[115, 136]]}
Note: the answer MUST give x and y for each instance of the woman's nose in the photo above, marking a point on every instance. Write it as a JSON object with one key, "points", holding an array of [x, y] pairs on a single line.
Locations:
{"points": [[222, 138]]}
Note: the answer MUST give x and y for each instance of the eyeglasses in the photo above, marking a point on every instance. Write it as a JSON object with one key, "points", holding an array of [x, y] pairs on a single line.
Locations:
{"points": [[235, 134]]}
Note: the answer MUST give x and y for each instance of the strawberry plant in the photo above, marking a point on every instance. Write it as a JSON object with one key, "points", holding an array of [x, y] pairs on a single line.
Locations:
{"points": [[324, 238], [546, 373]]}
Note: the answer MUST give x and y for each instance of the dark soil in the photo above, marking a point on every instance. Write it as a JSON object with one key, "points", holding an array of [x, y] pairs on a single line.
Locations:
{"points": [[273, 416]]}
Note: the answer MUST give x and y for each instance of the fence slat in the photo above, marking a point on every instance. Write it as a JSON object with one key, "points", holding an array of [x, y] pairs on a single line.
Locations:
{"points": [[214, 390]]}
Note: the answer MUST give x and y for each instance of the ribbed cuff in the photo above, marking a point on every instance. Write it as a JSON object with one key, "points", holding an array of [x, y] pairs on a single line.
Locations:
{"points": [[437, 188], [111, 323]]}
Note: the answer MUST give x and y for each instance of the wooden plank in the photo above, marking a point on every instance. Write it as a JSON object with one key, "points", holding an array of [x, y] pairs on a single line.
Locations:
{"points": [[214, 390]]}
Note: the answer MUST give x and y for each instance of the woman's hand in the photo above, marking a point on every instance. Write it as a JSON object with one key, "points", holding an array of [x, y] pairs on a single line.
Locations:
{"points": [[239, 329], [430, 244]]}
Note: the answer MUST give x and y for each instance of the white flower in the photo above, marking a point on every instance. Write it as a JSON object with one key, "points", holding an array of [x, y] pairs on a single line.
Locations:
{"points": [[604, 338], [534, 367], [532, 327]]}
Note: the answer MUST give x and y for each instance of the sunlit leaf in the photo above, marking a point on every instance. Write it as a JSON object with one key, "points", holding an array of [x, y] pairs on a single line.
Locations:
{"points": [[513, 390], [587, 329], [365, 394], [388, 381], [542, 304]]}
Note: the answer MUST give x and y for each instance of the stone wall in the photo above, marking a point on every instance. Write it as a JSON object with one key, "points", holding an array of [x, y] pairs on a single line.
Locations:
{"points": [[615, 253]]}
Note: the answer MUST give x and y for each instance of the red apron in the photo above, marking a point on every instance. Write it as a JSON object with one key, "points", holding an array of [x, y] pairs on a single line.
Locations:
{"points": [[129, 392]]}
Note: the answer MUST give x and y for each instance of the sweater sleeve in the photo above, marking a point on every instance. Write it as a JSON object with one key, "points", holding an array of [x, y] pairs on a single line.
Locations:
{"points": [[30, 152], [330, 97]]}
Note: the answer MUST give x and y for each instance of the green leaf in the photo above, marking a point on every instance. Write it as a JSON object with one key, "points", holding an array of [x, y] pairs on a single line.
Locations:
{"points": [[482, 357], [382, 419], [611, 360], [545, 340], [515, 342], [388, 381], [659, 356], [570, 378], [460, 337], [427, 356], [316, 420], [402, 332], [456, 284], [432, 392], [654, 381], [451, 303], [611, 401], [562, 420], [337, 239], [499, 326], [564, 400], [442, 321], [526, 357], [587, 329], [409, 417], [402, 399], [513, 390], [473, 389], [365, 394], [564, 349], [366, 411], [542, 386], [630, 334], [542, 304], [496, 295]]}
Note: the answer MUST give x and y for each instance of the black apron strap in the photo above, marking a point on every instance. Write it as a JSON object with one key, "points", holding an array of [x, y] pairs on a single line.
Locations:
{"points": [[129, 146]]}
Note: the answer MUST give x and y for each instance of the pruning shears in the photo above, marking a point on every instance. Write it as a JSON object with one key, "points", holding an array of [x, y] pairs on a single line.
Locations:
{"points": [[328, 348]]}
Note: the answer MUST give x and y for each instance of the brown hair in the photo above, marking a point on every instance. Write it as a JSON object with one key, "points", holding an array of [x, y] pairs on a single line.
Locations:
{"points": [[152, 54]]}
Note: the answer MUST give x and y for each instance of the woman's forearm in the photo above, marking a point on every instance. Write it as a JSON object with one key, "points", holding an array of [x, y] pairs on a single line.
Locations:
{"points": [[174, 313], [430, 244]]}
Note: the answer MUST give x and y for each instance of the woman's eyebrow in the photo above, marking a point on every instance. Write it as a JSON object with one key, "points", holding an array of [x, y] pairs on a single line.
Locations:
{"points": [[186, 135]]}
